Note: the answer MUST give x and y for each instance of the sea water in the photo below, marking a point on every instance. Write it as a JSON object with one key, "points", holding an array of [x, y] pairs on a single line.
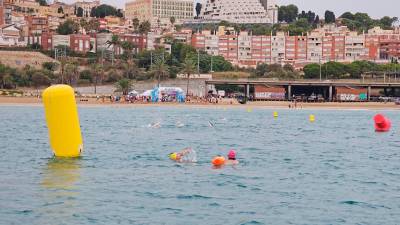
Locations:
{"points": [[336, 170]]}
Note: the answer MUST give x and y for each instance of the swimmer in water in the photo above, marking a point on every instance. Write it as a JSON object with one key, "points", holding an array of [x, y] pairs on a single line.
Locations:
{"points": [[154, 125], [231, 158], [187, 155]]}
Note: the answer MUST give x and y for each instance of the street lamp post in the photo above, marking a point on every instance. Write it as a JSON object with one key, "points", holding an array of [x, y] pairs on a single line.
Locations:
{"points": [[320, 69]]}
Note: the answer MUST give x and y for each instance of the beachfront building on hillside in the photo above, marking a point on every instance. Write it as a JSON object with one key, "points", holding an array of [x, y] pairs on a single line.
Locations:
{"points": [[159, 11], [321, 45], [87, 6], [241, 11]]}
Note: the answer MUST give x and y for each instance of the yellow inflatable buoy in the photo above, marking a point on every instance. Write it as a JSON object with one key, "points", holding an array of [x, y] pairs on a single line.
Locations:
{"points": [[249, 110], [312, 118], [62, 121], [275, 114]]}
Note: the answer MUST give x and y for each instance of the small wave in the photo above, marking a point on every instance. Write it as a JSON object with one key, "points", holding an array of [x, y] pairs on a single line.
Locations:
{"points": [[251, 222], [24, 212], [171, 210], [363, 204], [214, 204], [192, 197]]}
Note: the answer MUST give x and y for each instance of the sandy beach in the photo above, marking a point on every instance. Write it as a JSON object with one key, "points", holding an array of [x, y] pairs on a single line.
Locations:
{"points": [[225, 103]]}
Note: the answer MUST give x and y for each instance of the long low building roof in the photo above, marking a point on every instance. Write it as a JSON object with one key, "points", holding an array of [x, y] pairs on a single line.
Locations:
{"points": [[306, 83]]}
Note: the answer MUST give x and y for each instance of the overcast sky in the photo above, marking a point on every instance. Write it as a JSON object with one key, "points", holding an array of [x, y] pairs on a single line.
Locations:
{"points": [[375, 8]]}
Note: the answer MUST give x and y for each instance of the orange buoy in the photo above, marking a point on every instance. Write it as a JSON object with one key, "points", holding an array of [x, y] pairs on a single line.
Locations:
{"points": [[218, 161], [382, 124]]}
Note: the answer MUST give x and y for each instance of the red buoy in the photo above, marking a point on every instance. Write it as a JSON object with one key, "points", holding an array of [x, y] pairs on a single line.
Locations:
{"points": [[382, 124]]}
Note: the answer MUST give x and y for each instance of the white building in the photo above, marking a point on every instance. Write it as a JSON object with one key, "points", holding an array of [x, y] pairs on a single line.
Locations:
{"points": [[278, 48], [244, 46], [211, 42], [86, 6], [159, 12], [355, 47], [241, 11]]}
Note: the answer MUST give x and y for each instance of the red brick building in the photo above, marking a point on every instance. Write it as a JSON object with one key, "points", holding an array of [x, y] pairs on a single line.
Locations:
{"points": [[389, 46], [37, 25], [47, 41], [80, 43]]}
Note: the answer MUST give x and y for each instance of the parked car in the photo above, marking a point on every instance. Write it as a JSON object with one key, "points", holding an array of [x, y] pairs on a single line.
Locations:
{"points": [[320, 98], [312, 98], [397, 101]]}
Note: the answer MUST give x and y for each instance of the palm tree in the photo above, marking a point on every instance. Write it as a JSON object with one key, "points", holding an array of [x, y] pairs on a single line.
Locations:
{"points": [[130, 69], [128, 47], [135, 23], [72, 72], [172, 20], [114, 42], [188, 68], [159, 69], [40, 79], [63, 62], [124, 85], [144, 27], [97, 73]]}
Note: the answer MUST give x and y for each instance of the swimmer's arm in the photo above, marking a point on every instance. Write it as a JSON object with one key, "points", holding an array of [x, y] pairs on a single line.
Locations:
{"points": [[186, 150]]}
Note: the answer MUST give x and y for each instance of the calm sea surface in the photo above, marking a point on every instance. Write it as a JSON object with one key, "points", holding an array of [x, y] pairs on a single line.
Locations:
{"points": [[334, 171]]}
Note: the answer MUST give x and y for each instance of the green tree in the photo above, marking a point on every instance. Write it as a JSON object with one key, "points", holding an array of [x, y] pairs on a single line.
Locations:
{"points": [[188, 68], [79, 12], [172, 20], [51, 66], [347, 15], [39, 79], [135, 23], [42, 2], [124, 85], [92, 25], [97, 72], [86, 75], [72, 72], [129, 69], [330, 17], [128, 48], [60, 10], [387, 22], [311, 71], [68, 27], [261, 70], [104, 10], [335, 70], [198, 9], [159, 70], [144, 27], [288, 13], [114, 42]]}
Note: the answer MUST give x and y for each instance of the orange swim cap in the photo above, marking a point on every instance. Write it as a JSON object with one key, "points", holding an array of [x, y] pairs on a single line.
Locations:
{"points": [[218, 161]]}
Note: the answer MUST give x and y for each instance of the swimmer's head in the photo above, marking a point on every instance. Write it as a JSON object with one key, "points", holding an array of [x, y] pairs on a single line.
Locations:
{"points": [[232, 155], [173, 156]]}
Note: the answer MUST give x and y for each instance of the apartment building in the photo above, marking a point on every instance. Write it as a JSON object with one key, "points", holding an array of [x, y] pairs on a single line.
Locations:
{"points": [[278, 48], [159, 11], [355, 47], [228, 47], [2, 12], [241, 11], [87, 6], [389, 46], [81, 43], [321, 45]]}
